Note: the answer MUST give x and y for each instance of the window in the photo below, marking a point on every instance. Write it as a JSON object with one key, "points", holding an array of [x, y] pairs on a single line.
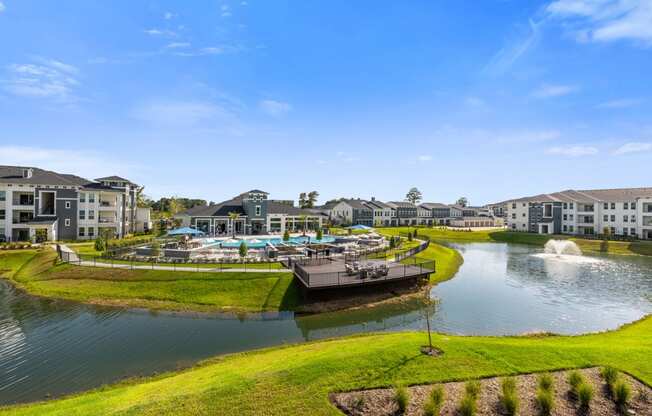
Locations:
{"points": [[47, 203], [91, 198], [66, 222], [625, 218], [82, 214], [632, 231], [625, 205], [570, 228], [624, 231], [524, 214], [91, 214], [91, 232], [632, 218], [632, 205], [571, 217], [565, 228], [606, 218], [514, 206], [613, 205], [565, 205], [565, 217], [613, 218], [258, 210], [3, 195], [2, 214], [606, 205], [67, 204], [82, 231], [82, 197], [513, 216]]}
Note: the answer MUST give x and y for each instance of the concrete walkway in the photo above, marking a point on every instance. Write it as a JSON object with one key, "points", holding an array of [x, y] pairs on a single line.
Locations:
{"points": [[73, 258]]}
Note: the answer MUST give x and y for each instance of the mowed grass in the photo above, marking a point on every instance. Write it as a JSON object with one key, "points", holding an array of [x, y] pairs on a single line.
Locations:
{"points": [[502, 236], [296, 380], [175, 290]]}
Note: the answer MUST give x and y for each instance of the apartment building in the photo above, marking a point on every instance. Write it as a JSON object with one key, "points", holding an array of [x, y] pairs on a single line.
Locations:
{"points": [[624, 212], [41, 205]]}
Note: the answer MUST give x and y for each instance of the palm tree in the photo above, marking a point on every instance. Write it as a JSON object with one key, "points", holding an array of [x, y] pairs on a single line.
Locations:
{"points": [[304, 220], [233, 216]]}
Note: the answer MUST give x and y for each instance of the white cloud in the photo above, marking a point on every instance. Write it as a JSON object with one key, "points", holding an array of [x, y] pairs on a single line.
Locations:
{"points": [[274, 108], [75, 161], [226, 10], [160, 32], [505, 58], [424, 158], [169, 15], [208, 51], [175, 45], [180, 113], [48, 79], [474, 102], [346, 157], [605, 20], [572, 151], [633, 147], [550, 91], [2, 7], [620, 103]]}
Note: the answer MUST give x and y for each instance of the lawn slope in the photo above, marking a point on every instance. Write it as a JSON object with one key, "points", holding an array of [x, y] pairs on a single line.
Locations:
{"points": [[296, 380]]}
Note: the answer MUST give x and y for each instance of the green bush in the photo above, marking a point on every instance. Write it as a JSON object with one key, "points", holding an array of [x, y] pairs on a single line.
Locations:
{"points": [[546, 382], [433, 405], [468, 406], [575, 379], [584, 393], [320, 234], [610, 375], [622, 393], [100, 245], [243, 249], [472, 389], [286, 235], [401, 397], [509, 397], [545, 401]]}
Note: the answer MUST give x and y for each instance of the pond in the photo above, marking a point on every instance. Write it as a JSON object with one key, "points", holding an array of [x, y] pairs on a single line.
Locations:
{"points": [[49, 348]]}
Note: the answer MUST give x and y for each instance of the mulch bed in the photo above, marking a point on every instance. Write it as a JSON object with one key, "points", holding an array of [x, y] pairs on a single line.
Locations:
{"points": [[380, 402]]}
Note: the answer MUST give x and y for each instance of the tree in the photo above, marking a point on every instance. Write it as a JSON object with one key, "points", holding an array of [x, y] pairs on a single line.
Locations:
{"points": [[242, 250], [413, 196], [429, 304], [303, 200], [155, 251], [174, 206], [286, 236], [233, 216], [308, 200], [304, 220], [392, 243], [320, 234], [462, 201]]}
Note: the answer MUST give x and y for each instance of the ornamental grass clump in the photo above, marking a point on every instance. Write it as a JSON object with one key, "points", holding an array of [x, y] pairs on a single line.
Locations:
{"points": [[433, 405], [622, 393], [401, 397], [610, 376], [472, 388], [509, 396], [584, 395], [575, 379], [469, 403], [545, 401], [546, 382]]}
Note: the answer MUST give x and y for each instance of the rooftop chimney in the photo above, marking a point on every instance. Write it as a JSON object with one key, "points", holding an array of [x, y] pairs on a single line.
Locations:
{"points": [[27, 173]]}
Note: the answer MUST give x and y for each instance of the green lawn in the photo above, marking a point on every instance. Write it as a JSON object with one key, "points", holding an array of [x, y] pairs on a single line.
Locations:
{"points": [[154, 289], [296, 380], [587, 246]]}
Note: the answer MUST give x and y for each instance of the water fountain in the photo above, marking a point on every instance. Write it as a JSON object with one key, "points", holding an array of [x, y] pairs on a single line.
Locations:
{"points": [[562, 247]]}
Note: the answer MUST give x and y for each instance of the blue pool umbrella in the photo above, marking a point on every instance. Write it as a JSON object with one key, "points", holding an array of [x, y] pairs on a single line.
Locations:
{"points": [[185, 231], [359, 227]]}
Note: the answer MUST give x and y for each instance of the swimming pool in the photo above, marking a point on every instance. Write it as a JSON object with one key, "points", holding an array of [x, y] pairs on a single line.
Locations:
{"points": [[263, 241]]}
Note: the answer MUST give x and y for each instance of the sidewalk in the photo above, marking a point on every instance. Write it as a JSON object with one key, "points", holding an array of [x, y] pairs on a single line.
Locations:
{"points": [[74, 259]]}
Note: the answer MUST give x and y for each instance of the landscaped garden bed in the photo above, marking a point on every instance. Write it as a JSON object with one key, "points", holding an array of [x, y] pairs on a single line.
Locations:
{"points": [[528, 397]]}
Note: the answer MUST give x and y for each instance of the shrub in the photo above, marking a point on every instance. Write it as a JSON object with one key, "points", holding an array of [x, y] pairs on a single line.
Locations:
{"points": [[409, 237], [433, 405], [610, 376], [472, 389], [509, 396], [401, 397], [584, 393], [545, 401], [546, 382], [575, 379], [358, 402], [286, 235], [320, 234], [99, 244], [622, 393], [243, 249], [468, 406]]}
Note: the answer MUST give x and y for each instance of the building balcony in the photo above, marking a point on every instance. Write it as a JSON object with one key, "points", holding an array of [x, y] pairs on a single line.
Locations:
{"points": [[107, 220]]}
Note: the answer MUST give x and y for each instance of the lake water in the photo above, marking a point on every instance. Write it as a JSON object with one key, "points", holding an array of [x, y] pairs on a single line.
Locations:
{"points": [[53, 347]]}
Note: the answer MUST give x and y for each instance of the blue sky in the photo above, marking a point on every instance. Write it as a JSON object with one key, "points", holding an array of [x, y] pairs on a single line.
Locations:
{"points": [[487, 99]]}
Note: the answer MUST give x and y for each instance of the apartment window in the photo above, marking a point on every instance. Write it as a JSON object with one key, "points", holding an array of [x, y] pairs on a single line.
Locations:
{"points": [[91, 232], [613, 205], [82, 197], [513, 206], [613, 230], [66, 222], [632, 231], [2, 214], [565, 228], [513, 216], [67, 204], [633, 218], [91, 198], [258, 210], [606, 205], [3, 195], [632, 205], [523, 203], [524, 215], [625, 205], [571, 205], [565, 205], [82, 231], [82, 214], [613, 218], [565, 217], [570, 228], [91, 214], [625, 218], [606, 218]]}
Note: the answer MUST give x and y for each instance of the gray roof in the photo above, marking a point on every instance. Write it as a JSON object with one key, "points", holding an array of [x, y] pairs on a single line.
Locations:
{"points": [[378, 204], [433, 205], [14, 174], [114, 178], [590, 195], [402, 204], [280, 208], [235, 205]]}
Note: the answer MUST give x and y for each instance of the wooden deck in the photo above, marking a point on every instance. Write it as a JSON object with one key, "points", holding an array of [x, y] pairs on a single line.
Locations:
{"points": [[327, 273]]}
